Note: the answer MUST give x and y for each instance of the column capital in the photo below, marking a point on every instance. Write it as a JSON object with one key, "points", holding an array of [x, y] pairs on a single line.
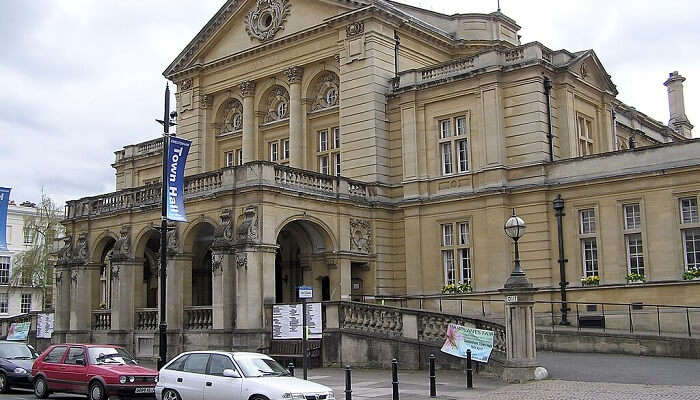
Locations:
{"points": [[247, 88], [206, 101], [294, 74]]}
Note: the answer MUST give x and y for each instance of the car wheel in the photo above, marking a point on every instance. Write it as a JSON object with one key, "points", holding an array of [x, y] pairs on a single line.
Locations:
{"points": [[169, 394], [258, 397], [3, 384], [97, 391], [41, 389]]}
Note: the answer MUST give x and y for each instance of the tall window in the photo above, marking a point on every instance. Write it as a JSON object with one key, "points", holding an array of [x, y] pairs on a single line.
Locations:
{"points": [[105, 281], [230, 162], [28, 239], [4, 305], [239, 156], [328, 151], [26, 304], [690, 232], [279, 151], [589, 242], [4, 270], [633, 238], [454, 145], [584, 129], [455, 246], [274, 151]]}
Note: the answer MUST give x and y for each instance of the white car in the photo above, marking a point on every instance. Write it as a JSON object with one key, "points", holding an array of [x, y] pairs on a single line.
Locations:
{"points": [[220, 375]]}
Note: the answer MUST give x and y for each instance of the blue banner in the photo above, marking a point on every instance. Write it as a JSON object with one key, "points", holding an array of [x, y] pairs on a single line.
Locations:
{"points": [[4, 201], [177, 157]]}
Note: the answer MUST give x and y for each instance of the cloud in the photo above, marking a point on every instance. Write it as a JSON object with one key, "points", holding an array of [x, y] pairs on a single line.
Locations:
{"points": [[80, 79]]}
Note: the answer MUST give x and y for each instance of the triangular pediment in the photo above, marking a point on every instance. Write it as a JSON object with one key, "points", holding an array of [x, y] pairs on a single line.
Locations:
{"points": [[587, 66], [244, 24]]}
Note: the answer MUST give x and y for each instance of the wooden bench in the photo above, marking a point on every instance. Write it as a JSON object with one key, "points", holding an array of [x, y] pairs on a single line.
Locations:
{"points": [[286, 351]]}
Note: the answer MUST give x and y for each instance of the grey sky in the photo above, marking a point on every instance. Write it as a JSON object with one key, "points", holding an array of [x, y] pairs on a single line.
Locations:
{"points": [[80, 79]]}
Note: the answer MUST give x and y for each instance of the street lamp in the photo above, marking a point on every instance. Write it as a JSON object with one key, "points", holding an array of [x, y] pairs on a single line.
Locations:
{"points": [[515, 229], [558, 205]]}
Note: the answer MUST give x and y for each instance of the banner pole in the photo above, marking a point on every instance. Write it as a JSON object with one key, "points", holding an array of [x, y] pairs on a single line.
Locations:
{"points": [[163, 326]]}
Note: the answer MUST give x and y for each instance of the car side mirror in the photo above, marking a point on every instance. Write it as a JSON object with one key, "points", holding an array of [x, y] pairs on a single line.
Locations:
{"points": [[231, 373], [79, 362]]}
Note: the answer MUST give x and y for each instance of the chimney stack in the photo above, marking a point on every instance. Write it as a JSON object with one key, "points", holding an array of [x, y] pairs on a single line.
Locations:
{"points": [[676, 105]]}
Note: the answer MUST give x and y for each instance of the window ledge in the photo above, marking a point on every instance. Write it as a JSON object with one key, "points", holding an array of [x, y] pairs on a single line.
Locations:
{"points": [[229, 134]]}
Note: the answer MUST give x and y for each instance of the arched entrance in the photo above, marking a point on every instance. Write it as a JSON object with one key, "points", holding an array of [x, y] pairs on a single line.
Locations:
{"points": [[199, 240], [301, 259]]}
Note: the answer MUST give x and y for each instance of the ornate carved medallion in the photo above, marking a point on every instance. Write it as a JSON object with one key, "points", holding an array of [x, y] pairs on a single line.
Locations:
{"points": [[233, 116], [355, 29], [277, 105], [326, 92], [268, 17], [248, 229], [360, 235]]}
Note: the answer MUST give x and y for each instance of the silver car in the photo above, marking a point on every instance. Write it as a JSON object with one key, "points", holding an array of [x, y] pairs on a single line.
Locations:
{"points": [[220, 375]]}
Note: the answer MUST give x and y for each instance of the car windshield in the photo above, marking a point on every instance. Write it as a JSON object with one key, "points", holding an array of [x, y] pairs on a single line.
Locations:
{"points": [[259, 366], [110, 355], [16, 351]]}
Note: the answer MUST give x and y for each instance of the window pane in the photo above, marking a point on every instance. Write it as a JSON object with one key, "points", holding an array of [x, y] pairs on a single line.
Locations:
{"points": [[448, 263], [239, 157], [323, 165], [337, 164], [445, 129], [285, 149], [56, 354], [465, 265], [446, 150], [689, 210], [461, 124], [633, 216], [589, 250], [635, 254], [229, 158], [691, 237], [336, 138], [323, 141], [26, 304], [587, 221], [74, 354], [447, 235], [178, 364], [464, 234], [3, 303], [218, 364], [196, 363], [462, 155], [4, 270]]}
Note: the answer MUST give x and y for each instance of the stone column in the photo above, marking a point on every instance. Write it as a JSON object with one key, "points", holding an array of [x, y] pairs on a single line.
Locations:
{"points": [[676, 105], [255, 285], [63, 303], [339, 272], [123, 287], [81, 279], [176, 293], [223, 285], [249, 140], [296, 118], [521, 354]]}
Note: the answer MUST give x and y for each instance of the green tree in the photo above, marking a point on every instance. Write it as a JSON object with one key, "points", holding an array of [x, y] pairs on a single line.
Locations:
{"points": [[34, 266]]}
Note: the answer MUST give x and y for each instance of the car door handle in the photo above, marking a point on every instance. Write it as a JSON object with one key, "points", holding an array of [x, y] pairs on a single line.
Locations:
{"points": [[179, 379], [208, 383]]}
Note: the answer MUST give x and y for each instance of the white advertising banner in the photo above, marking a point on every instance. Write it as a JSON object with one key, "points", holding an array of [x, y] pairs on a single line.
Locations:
{"points": [[286, 321], [44, 326]]}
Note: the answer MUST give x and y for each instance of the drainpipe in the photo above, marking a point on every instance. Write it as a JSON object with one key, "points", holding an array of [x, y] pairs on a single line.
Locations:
{"points": [[558, 204], [396, 53], [547, 92]]}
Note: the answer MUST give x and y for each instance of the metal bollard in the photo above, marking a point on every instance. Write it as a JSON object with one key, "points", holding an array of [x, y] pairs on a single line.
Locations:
{"points": [[348, 383], [469, 369], [433, 392], [395, 379], [290, 368]]}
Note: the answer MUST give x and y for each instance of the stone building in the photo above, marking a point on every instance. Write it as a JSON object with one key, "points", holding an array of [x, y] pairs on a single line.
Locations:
{"points": [[373, 148]]}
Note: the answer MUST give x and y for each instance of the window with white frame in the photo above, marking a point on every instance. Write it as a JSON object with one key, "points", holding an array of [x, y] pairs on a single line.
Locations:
{"points": [[690, 232], [229, 156], [274, 151], [279, 151], [328, 151], [239, 156], [584, 128], [4, 303], [454, 145], [4, 270], [28, 237], [456, 252], [589, 242], [634, 244], [26, 304]]}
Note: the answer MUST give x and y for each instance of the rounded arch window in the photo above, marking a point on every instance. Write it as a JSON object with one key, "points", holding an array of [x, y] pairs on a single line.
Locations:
{"points": [[282, 109], [331, 96], [237, 121]]}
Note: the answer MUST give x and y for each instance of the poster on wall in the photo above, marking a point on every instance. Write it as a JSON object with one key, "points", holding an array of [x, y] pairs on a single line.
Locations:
{"points": [[44, 326], [286, 321], [459, 339], [18, 331]]}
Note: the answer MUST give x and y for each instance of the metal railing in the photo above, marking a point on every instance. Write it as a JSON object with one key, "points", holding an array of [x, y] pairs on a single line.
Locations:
{"points": [[613, 317]]}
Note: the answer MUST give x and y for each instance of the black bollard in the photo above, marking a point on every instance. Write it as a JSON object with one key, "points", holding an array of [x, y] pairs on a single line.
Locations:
{"points": [[290, 368], [348, 383], [433, 392], [395, 379], [469, 369]]}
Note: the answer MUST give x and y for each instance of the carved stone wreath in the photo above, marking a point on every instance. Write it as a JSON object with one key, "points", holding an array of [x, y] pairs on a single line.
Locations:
{"points": [[277, 104], [81, 252], [326, 92], [268, 18], [248, 228], [360, 235], [233, 116]]}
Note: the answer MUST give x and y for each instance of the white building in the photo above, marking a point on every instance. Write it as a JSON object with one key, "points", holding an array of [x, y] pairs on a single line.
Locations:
{"points": [[18, 298]]}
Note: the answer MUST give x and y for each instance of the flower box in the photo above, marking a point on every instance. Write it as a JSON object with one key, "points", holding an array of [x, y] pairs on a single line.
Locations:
{"points": [[691, 275], [633, 279]]}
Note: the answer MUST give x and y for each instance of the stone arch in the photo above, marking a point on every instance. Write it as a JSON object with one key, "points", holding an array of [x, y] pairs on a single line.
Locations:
{"points": [[322, 232], [312, 73], [188, 235], [198, 239], [229, 116], [141, 239], [274, 103], [323, 91], [103, 242]]}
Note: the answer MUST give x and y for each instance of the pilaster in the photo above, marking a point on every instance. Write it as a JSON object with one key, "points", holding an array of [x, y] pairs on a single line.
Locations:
{"points": [[223, 288], [123, 277], [296, 118], [179, 271], [255, 284], [82, 277], [249, 133]]}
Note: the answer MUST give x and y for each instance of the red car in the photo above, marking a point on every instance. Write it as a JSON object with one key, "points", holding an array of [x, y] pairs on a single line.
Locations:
{"points": [[99, 371]]}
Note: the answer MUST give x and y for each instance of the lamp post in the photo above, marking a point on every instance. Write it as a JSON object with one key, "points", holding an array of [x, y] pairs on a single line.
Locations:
{"points": [[515, 229], [558, 205], [163, 326]]}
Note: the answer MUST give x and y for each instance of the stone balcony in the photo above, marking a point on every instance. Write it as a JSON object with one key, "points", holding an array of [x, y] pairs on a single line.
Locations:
{"points": [[253, 175], [144, 149]]}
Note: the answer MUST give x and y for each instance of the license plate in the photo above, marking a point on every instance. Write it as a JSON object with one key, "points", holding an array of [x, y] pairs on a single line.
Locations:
{"points": [[145, 390]]}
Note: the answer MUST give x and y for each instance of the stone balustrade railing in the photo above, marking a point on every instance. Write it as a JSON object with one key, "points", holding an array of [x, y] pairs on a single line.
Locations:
{"points": [[153, 146], [370, 319], [146, 319], [102, 320], [433, 326], [198, 318], [534, 52], [253, 174]]}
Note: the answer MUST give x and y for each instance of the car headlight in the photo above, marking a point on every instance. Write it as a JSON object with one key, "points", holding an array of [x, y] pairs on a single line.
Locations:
{"points": [[122, 379], [330, 396], [20, 370], [131, 379], [294, 396]]}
